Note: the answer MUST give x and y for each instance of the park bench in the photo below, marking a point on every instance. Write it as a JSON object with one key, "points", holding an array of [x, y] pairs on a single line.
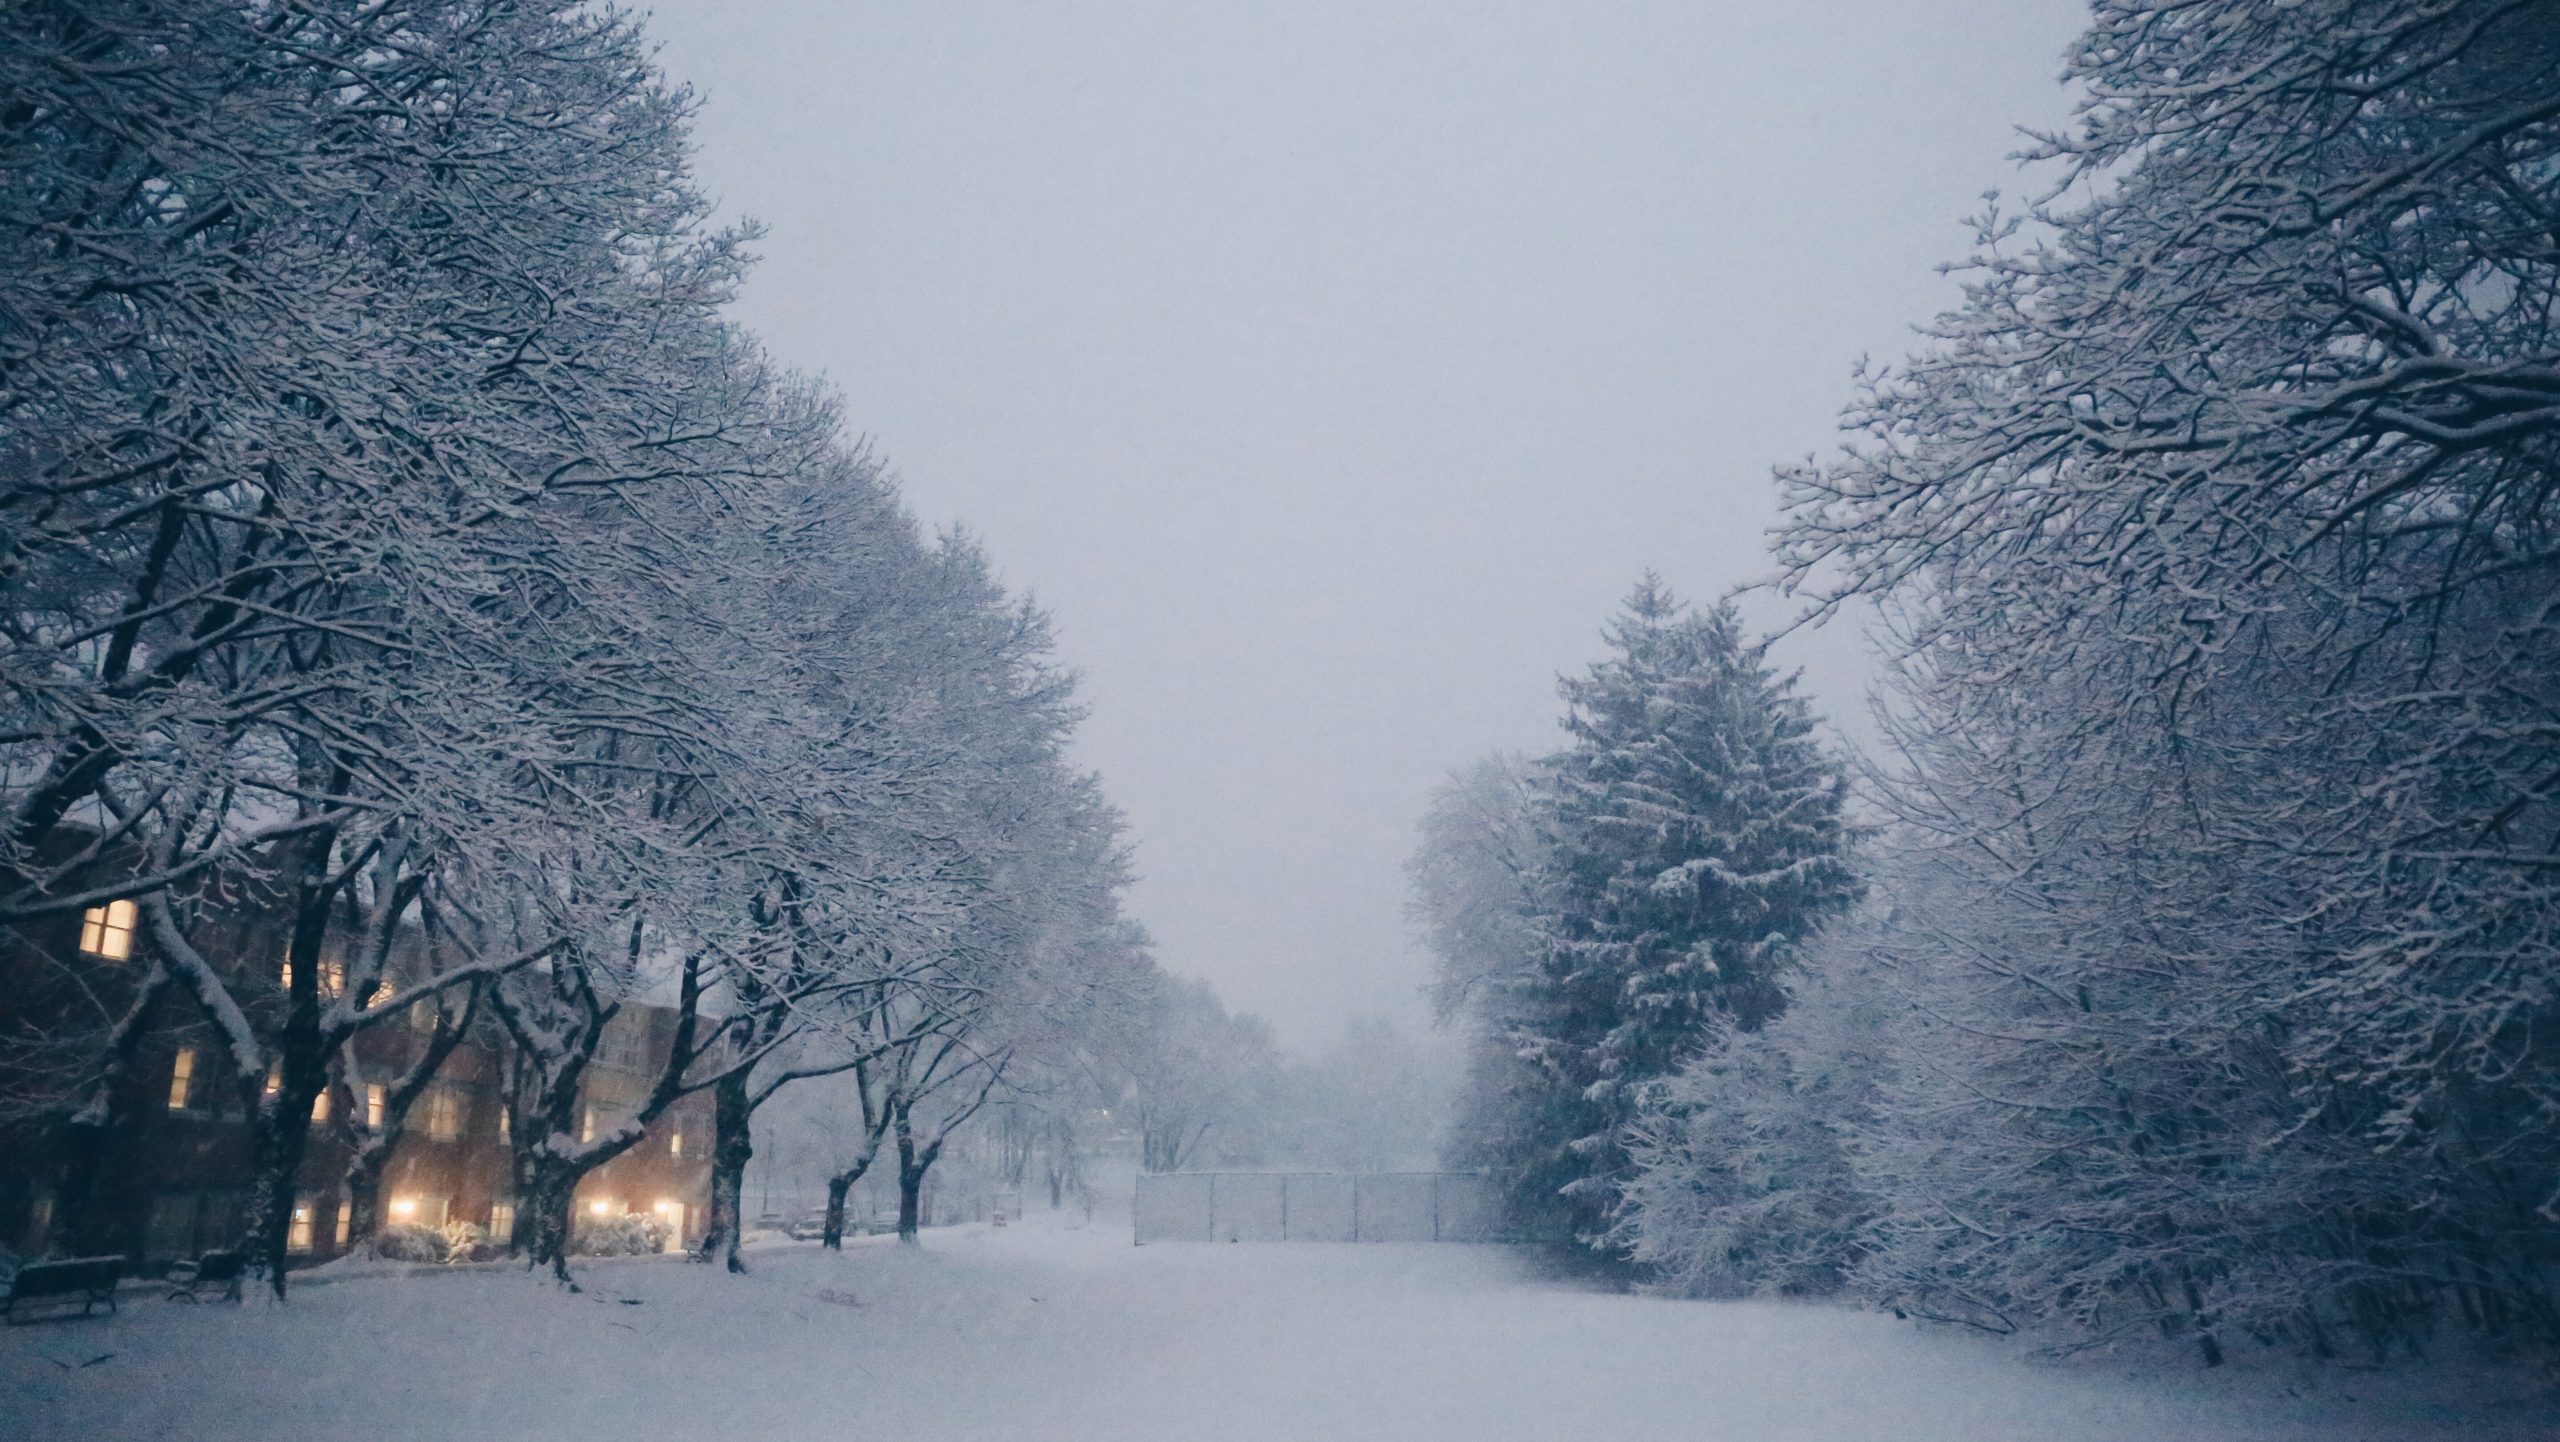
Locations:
{"points": [[86, 1280], [215, 1274]]}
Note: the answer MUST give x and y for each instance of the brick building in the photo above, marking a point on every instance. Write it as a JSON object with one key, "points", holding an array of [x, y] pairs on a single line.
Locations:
{"points": [[174, 1175]]}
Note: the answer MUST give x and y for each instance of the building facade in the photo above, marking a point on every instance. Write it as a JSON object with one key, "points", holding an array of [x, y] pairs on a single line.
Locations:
{"points": [[173, 1174]]}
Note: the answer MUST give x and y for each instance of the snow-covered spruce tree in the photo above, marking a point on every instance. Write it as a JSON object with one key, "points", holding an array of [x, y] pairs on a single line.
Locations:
{"points": [[1694, 839], [2219, 524]]}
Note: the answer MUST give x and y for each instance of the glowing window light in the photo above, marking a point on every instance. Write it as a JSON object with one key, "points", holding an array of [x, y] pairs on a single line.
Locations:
{"points": [[182, 1078], [404, 1208], [106, 932]]}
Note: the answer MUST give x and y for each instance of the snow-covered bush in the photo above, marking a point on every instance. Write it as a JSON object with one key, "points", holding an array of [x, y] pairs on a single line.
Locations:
{"points": [[467, 1242], [1743, 1182], [632, 1234], [410, 1242]]}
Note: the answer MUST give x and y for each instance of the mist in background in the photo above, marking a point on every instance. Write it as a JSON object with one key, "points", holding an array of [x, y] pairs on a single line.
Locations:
{"points": [[1331, 369]]}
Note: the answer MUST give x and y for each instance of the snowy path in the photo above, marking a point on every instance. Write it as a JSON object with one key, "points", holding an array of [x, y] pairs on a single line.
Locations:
{"points": [[1063, 1336]]}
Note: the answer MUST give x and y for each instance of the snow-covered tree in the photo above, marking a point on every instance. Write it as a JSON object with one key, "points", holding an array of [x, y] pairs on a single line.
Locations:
{"points": [[1473, 880], [1743, 1179], [1204, 1084], [333, 335], [2217, 535], [1693, 840], [418, 592], [1374, 1100]]}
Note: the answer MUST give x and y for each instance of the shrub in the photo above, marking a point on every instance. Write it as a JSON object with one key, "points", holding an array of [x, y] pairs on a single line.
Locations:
{"points": [[467, 1242], [409, 1242], [629, 1235]]}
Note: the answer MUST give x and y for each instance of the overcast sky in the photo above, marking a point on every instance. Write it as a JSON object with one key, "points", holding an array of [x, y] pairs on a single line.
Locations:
{"points": [[1330, 368]]}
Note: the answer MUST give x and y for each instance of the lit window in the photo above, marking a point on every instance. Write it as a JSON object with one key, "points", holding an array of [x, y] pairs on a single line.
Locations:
{"points": [[404, 1209], [506, 1126], [320, 1106], [675, 1142], [587, 1125], [299, 1238], [107, 931], [373, 1106], [182, 1078], [275, 1078], [601, 1207], [346, 1217], [444, 1114], [502, 1221]]}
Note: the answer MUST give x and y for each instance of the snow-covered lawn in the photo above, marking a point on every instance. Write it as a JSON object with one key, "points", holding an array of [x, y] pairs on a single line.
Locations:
{"points": [[1060, 1335]]}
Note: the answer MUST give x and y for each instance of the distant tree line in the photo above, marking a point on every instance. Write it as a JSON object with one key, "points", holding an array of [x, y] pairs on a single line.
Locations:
{"points": [[2208, 983]]}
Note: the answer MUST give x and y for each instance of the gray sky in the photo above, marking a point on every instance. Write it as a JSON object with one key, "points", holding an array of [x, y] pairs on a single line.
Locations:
{"points": [[1330, 368]]}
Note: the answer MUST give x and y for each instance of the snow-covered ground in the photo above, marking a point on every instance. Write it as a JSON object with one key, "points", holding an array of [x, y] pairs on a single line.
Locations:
{"points": [[1049, 1333]]}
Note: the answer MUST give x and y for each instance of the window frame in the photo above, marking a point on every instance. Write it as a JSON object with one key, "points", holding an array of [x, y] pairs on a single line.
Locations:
{"points": [[182, 1080], [111, 924], [444, 1113]]}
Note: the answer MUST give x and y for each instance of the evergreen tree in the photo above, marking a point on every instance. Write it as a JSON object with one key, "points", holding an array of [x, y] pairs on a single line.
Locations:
{"points": [[1694, 839]]}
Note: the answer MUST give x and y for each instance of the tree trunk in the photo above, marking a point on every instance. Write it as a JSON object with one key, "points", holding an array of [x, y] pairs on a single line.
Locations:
{"points": [[88, 1134], [732, 1146], [910, 1182], [831, 1235], [277, 1162], [83, 1231], [283, 1127], [283, 1121], [543, 1215], [364, 1196]]}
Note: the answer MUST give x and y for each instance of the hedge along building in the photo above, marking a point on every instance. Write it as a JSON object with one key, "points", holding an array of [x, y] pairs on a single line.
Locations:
{"points": [[153, 1157]]}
